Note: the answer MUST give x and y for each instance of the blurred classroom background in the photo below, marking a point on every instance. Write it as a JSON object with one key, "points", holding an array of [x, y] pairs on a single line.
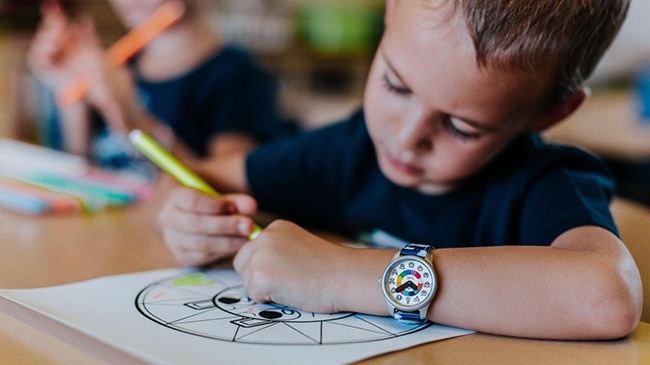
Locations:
{"points": [[321, 50]]}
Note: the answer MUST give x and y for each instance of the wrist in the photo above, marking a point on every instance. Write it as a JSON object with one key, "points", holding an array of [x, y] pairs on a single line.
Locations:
{"points": [[355, 286]]}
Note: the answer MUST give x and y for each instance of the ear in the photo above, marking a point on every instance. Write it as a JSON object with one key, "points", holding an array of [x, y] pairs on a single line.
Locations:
{"points": [[390, 10], [559, 112]]}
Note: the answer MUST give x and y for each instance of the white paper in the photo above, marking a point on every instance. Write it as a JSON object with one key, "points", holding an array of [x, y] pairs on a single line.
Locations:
{"points": [[181, 316]]}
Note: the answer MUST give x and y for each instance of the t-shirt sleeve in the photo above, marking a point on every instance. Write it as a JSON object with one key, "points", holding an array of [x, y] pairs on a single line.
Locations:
{"points": [[575, 193]]}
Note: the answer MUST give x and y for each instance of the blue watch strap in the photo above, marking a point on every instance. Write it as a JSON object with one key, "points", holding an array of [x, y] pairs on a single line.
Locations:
{"points": [[412, 249], [415, 249], [407, 316]]}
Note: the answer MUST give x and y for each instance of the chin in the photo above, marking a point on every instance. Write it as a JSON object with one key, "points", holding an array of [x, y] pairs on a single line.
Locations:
{"points": [[401, 179], [427, 188]]}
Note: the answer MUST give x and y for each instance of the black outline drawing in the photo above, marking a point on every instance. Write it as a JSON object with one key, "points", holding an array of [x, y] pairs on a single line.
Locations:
{"points": [[213, 304]]}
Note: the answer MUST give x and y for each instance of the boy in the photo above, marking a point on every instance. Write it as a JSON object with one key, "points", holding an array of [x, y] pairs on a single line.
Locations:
{"points": [[445, 154], [211, 95]]}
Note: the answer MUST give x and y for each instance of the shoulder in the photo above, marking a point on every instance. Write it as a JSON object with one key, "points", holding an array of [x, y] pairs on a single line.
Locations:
{"points": [[233, 59], [530, 168], [226, 63], [548, 189], [529, 157]]}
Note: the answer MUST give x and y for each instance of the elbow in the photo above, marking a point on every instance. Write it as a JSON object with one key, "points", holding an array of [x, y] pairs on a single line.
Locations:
{"points": [[619, 320], [615, 305]]}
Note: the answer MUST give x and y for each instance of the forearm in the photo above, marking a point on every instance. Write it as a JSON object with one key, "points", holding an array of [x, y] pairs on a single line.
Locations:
{"points": [[75, 127], [538, 292], [523, 291]]}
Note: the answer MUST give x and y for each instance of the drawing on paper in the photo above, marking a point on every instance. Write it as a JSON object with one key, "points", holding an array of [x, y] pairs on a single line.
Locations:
{"points": [[213, 304]]}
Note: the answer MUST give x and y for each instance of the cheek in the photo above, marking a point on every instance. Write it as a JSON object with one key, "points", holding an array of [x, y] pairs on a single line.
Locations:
{"points": [[377, 111], [472, 160], [371, 113], [454, 160]]}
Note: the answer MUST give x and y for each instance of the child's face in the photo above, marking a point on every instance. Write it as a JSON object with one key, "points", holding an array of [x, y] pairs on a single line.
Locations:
{"points": [[134, 12], [434, 116]]}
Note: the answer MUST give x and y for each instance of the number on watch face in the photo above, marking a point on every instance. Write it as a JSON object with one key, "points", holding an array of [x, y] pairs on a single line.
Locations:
{"points": [[410, 282]]}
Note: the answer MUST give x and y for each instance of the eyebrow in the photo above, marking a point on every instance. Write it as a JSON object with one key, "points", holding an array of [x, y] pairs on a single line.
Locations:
{"points": [[473, 123]]}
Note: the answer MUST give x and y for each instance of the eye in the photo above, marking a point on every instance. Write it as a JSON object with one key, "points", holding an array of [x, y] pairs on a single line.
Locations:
{"points": [[457, 132], [391, 87]]}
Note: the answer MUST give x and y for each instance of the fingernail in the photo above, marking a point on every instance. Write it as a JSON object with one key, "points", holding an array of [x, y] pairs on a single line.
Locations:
{"points": [[244, 227]]}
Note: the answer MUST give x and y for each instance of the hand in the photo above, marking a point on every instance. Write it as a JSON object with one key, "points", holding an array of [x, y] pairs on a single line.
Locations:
{"points": [[48, 48], [287, 265], [61, 49], [201, 229]]}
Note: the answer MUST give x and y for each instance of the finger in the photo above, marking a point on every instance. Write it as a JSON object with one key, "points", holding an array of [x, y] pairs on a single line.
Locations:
{"points": [[242, 265], [224, 225], [53, 19], [51, 33], [242, 258], [198, 250], [189, 199], [188, 258], [245, 204], [220, 245]]}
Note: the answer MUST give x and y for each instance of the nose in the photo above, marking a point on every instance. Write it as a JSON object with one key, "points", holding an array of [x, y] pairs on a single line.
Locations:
{"points": [[415, 133]]}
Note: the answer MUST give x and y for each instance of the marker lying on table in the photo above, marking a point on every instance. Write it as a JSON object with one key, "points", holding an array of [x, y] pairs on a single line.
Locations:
{"points": [[168, 162], [167, 14]]}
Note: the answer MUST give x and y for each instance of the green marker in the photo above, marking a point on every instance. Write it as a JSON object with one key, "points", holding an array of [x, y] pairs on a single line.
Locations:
{"points": [[168, 162]]}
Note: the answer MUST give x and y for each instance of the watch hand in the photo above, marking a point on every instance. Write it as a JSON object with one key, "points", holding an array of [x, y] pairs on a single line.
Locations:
{"points": [[408, 284]]}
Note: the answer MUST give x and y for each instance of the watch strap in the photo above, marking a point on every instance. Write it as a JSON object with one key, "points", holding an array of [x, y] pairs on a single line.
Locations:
{"points": [[412, 249], [415, 249]]}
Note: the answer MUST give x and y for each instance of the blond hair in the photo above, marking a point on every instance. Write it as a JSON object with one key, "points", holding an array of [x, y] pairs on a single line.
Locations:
{"points": [[564, 37]]}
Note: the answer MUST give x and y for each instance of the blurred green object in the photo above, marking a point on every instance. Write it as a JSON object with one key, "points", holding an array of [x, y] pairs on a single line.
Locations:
{"points": [[340, 29]]}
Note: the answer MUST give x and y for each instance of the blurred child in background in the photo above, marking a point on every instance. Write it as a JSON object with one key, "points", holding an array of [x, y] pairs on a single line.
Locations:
{"points": [[186, 86]]}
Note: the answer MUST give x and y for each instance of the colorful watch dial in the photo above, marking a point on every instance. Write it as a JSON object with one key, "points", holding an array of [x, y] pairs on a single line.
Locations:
{"points": [[410, 283]]}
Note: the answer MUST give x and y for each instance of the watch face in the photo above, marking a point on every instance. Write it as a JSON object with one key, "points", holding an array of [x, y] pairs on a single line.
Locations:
{"points": [[409, 283]]}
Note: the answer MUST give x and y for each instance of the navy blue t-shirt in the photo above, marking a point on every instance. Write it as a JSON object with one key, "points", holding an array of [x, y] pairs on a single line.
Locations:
{"points": [[229, 92], [529, 194]]}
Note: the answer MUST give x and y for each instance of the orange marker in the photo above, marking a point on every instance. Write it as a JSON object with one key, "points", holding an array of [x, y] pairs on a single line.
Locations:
{"points": [[167, 14]]}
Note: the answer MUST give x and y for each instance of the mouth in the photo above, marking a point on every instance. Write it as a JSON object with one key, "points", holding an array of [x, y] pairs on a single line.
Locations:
{"points": [[404, 167]]}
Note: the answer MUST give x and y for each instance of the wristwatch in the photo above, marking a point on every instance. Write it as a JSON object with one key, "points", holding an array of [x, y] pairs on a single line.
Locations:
{"points": [[409, 283]]}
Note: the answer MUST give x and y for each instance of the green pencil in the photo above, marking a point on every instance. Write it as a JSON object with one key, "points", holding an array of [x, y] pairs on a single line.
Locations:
{"points": [[164, 159]]}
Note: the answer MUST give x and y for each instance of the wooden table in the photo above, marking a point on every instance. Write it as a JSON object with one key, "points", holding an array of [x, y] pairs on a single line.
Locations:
{"points": [[43, 251]]}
